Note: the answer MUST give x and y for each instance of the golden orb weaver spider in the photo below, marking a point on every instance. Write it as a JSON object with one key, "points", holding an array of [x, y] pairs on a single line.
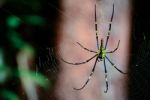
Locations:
{"points": [[100, 54]]}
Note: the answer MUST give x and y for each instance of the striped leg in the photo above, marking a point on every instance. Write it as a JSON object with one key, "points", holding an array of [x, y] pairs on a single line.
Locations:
{"points": [[114, 49], [115, 66], [106, 80], [79, 63], [91, 74], [109, 27], [96, 29], [86, 48]]}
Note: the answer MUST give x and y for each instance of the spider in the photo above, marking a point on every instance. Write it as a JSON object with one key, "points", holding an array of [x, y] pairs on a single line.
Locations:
{"points": [[100, 54]]}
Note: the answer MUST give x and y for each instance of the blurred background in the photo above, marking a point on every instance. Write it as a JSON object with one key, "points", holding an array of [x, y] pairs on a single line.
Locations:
{"points": [[29, 64], [27, 68]]}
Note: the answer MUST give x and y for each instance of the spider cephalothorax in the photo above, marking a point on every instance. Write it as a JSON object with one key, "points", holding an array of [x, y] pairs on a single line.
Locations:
{"points": [[100, 54]]}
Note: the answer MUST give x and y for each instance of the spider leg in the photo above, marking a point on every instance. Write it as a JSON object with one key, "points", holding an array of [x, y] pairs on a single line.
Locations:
{"points": [[114, 49], [109, 27], [96, 29], [114, 65], [106, 80], [93, 69], [85, 48], [79, 63]]}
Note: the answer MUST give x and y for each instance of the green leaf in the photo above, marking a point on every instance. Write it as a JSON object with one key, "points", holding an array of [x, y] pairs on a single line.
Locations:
{"points": [[38, 78], [9, 95], [13, 21], [4, 73], [35, 20], [15, 39]]}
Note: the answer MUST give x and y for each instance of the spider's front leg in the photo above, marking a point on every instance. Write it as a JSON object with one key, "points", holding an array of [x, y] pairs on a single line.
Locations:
{"points": [[96, 30], [110, 24]]}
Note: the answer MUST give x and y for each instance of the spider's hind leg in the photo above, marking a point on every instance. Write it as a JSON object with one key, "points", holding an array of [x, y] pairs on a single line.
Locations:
{"points": [[106, 80], [91, 74], [115, 66]]}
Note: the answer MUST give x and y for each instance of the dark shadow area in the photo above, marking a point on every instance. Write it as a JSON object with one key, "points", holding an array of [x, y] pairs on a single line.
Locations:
{"points": [[139, 78]]}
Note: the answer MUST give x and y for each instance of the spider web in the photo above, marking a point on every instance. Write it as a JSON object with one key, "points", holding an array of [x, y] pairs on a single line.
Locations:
{"points": [[47, 65], [47, 62]]}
